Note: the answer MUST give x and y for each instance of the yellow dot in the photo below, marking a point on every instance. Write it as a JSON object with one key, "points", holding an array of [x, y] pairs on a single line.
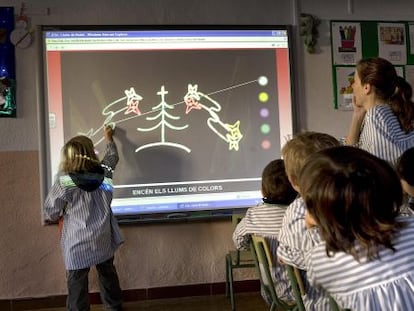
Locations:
{"points": [[263, 97]]}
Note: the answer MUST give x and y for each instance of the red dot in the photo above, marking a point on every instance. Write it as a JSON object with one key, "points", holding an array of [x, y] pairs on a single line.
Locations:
{"points": [[266, 144]]}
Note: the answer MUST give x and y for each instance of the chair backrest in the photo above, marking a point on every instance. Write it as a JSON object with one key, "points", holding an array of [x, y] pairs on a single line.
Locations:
{"points": [[264, 264], [298, 287], [235, 219], [334, 305]]}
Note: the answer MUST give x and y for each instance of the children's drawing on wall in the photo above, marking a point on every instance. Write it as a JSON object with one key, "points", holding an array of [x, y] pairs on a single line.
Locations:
{"points": [[346, 43], [344, 93], [400, 71], [392, 42], [7, 64], [411, 34], [409, 74]]}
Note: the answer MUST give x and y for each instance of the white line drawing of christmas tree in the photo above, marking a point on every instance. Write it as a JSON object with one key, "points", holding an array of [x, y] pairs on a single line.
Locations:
{"points": [[163, 123]]}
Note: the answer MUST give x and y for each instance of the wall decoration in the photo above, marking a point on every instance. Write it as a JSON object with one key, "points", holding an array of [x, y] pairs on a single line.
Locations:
{"points": [[7, 64], [392, 42], [344, 79], [21, 36], [346, 43], [355, 40], [309, 31]]}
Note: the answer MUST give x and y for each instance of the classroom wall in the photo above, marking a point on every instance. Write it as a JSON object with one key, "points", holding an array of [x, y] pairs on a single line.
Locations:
{"points": [[156, 255], [316, 98]]}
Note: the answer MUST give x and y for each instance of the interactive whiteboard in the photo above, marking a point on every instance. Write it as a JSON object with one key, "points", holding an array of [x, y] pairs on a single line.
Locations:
{"points": [[198, 111]]}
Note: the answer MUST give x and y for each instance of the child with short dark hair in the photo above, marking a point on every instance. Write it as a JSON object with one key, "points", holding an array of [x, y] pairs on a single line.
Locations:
{"points": [[266, 220], [365, 260], [82, 195]]}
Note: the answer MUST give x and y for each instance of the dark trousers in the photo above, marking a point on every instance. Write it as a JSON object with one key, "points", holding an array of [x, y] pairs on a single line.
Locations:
{"points": [[110, 291]]}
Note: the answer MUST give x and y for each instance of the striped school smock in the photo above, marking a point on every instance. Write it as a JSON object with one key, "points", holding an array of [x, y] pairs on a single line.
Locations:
{"points": [[90, 232], [382, 136], [294, 239], [384, 284], [265, 220], [295, 242]]}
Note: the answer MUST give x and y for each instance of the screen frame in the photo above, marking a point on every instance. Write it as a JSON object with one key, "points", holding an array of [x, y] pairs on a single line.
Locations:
{"points": [[44, 158]]}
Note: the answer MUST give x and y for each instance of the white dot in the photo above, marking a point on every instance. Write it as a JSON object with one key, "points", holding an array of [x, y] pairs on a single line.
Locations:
{"points": [[262, 80]]}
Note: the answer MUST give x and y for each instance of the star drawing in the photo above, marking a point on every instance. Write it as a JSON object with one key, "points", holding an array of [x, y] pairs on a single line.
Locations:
{"points": [[133, 100], [234, 135]]}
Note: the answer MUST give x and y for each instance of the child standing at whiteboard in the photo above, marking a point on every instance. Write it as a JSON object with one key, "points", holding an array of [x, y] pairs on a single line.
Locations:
{"points": [[82, 194]]}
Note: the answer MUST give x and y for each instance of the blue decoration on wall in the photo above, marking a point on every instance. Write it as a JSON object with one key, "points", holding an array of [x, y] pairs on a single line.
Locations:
{"points": [[7, 64]]}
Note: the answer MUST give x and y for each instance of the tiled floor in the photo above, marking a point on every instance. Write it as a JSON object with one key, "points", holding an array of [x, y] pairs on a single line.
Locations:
{"points": [[244, 302]]}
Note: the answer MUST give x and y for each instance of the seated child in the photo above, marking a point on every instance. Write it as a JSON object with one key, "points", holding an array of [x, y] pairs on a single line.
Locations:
{"points": [[365, 260], [405, 170], [266, 220], [294, 238]]}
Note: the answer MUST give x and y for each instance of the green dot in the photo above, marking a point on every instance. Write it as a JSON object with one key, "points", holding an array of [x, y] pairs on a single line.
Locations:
{"points": [[265, 128], [263, 97]]}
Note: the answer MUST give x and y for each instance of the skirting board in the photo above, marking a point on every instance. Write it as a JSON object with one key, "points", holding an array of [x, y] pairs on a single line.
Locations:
{"points": [[133, 295]]}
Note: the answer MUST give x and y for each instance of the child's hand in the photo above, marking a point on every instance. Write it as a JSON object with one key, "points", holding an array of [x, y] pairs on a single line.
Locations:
{"points": [[109, 132]]}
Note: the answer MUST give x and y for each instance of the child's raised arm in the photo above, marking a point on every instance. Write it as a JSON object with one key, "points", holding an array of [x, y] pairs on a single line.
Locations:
{"points": [[111, 157]]}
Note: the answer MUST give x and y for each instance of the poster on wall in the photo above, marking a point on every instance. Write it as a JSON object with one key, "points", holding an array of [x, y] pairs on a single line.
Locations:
{"points": [[392, 42], [344, 94], [409, 74], [346, 43], [411, 34], [400, 71], [7, 64]]}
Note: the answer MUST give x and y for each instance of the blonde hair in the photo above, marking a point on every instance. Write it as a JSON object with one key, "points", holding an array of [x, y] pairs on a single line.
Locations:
{"points": [[297, 150], [78, 154]]}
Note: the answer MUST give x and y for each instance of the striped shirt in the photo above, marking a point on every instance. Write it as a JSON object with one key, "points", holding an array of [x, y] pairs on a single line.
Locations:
{"points": [[265, 220], [381, 134], [385, 284], [295, 242], [407, 209], [90, 233]]}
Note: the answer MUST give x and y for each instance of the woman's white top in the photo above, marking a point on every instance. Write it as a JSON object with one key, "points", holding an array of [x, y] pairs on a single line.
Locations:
{"points": [[382, 135]]}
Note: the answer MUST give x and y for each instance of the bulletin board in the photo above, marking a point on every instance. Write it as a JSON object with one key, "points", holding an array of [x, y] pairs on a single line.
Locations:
{"points": [[354, 40]]}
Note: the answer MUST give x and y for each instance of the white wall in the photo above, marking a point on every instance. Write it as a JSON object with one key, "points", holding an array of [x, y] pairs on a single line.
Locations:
{"points": [[316, 97]]}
